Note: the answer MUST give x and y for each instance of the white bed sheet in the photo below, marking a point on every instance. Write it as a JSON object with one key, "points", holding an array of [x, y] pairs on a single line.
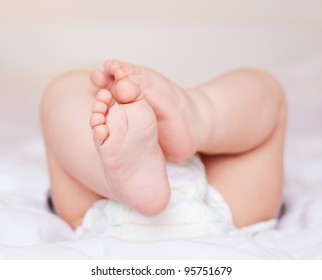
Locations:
{"points": [[29, 231]]}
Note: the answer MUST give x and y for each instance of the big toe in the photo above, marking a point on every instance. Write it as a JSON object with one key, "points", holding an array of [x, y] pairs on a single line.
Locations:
{"points": [[127, 91]]}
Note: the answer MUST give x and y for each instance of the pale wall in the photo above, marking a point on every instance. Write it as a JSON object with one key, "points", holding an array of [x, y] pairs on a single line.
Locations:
{"points": [[307, 12]]}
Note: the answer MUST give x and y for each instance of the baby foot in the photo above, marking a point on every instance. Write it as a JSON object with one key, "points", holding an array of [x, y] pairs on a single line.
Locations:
{"points": [[172, 105], [126, 137]]}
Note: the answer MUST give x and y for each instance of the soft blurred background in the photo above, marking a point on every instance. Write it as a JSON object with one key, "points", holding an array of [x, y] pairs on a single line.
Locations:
{"points": [[287, 11]]}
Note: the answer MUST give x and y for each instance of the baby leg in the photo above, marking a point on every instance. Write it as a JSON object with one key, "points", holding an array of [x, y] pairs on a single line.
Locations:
{"points": [[243, 151], [71, 154], [124, 162]]}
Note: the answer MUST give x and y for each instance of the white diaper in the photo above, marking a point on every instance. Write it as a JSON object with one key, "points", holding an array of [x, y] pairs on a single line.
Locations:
{"points": [[195, 209]]}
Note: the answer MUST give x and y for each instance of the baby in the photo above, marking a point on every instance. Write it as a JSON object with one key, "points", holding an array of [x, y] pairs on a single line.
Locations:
{"points": [[109, 133]]}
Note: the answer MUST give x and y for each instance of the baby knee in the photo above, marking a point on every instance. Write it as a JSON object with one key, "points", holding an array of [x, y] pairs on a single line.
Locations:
{"points": [[65, 83], [61, 95], [274, 93], [60, 91], [273, 87]]}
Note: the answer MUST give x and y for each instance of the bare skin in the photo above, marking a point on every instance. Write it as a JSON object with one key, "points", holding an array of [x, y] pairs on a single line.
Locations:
{"points": [[176, 122], [140, 118], [126, 137]]}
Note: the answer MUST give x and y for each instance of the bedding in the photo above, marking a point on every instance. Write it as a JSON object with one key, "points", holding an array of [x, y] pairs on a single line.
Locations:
{"points": [[30, 231]]}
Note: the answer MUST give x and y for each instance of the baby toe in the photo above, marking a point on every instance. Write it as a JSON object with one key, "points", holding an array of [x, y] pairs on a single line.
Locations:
{"points": [[127, 91], [99, 107], [100, 134], [97, 119]]}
